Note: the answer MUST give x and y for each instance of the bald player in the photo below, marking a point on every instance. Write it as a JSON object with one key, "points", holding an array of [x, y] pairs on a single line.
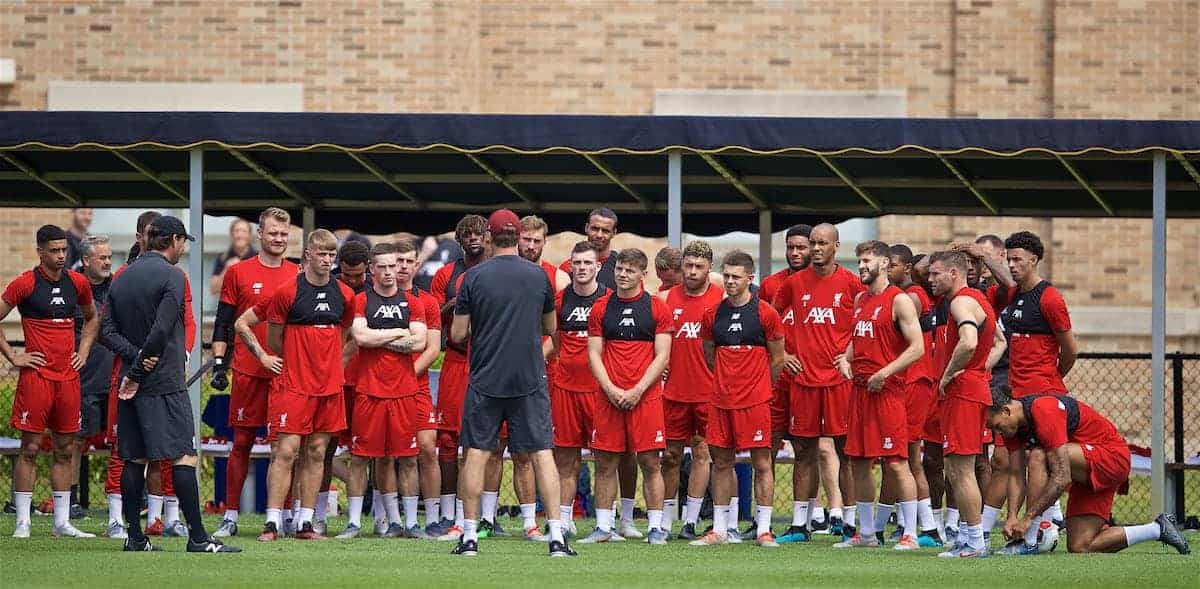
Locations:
{"points": [[821, 298]]}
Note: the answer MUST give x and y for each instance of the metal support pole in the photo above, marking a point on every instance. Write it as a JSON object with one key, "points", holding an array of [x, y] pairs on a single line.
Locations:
{"points": [[1177, 476], [675, 199], [764, 244], [1158, 340], [309, 222], [195, 271]]}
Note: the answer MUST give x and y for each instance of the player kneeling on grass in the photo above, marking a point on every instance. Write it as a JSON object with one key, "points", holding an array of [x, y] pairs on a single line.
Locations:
{"points": [[1086, 456], [389, 325], [743, 339], [885, 341]]}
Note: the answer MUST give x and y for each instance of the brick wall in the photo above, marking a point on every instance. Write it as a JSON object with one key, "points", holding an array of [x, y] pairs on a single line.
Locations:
{"points": [[970, 58]]}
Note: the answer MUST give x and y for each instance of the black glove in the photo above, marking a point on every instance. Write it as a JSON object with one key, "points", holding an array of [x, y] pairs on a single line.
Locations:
{"points": [[220, 374]]}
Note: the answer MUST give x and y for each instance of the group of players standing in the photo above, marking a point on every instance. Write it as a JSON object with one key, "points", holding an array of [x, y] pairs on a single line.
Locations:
{"points": [[893, 365]]}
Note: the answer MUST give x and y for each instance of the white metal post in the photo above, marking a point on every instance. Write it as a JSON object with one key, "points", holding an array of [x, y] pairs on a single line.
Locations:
{"points": [[195, 273], [675, 199], [309, 222], [764, 245], [1158, 339]]}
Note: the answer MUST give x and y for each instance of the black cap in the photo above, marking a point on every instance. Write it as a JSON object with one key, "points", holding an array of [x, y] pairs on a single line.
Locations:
{"points": [[168, 225]]}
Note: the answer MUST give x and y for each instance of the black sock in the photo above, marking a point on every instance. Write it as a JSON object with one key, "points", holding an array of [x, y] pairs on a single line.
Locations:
{"points": [[74, 494], [187, 490], [133, 484]]}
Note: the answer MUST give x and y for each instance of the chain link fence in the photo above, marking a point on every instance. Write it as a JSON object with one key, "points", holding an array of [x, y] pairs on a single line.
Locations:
{"points": [[1116, 384]]}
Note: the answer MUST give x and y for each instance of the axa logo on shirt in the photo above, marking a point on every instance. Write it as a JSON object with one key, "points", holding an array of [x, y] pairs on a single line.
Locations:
{"points": [[688, 330], [389, 312], [579, 314], [865, 329], [627, 319], [789, 318], [820, 316]]}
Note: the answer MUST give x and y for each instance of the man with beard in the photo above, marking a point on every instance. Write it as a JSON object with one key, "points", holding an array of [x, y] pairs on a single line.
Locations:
{"points": [[452, 383], [96, 265]]}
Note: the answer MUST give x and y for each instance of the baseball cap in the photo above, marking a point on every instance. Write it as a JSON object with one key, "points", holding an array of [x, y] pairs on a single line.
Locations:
{"points": [[168, 225], [502, 220]]}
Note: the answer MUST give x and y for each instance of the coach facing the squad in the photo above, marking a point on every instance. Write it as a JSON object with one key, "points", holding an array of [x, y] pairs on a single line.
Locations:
{"points": [[504, 307], [154, 413]]}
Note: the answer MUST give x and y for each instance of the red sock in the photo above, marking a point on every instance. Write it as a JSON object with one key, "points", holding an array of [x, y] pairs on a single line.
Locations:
{"points": [[168, 478], [112, 483], [238, 467]]}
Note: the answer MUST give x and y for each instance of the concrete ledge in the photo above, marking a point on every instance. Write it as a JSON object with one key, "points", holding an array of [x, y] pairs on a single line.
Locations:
{"points": [[1096, 321]]}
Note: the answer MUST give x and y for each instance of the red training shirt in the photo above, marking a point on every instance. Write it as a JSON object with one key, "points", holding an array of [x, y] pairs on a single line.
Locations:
{"points": [[743, 364], [876, 339], [382, 372], [629, 336], [244, 286], [973, 383], [48, 316], [689, 379], [313, 318], [822, 307]]}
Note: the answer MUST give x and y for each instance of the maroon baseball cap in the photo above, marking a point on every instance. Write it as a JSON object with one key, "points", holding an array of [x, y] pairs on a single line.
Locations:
{"points": [[503, 219]]}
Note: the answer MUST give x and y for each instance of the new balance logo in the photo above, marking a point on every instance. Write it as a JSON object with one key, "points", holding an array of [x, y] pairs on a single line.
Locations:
{"points": [[322, 307], [865, 329], [413, 443], [24, 418], [688, 330], [820, 315], [579, 314], [388, 312], [56, 290], [804, 299], [353, 441], [887, 443], [758, 435], [736, 316], [320, 296], [658, 436]]}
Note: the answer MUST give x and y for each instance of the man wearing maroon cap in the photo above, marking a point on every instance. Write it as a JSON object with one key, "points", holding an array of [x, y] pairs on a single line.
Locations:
{"points": [[504, 307]]}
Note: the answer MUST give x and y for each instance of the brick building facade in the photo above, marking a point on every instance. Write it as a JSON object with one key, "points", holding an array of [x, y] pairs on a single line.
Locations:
{"points": [[949, 58]]}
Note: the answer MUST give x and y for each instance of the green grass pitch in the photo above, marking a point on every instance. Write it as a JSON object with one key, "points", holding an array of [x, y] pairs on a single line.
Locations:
{"points": [[44, 561]]}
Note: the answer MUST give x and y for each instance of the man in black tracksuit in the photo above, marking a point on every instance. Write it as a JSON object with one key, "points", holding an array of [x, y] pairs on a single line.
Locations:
{"points": [[154, 413]]}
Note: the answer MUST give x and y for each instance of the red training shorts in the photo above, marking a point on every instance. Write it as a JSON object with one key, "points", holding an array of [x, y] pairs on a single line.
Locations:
{"points": [[962, 422], [248, 400], [920, 398], [933, 423], [638, 430], [572, 414], [685, 421], [425, 418], [452, 390], [820, 411], [295, 413], [1109, 473], [781, 410], [739, 429], [42, 404], [878, 424], [384, 427]]}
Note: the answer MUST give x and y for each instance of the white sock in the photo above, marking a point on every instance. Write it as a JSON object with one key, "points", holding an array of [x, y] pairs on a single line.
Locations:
{"points": [[866, 528], [1142, 533], [566, 513], [306, 516], [447, 502], [721, 520], [882, 512], [458, 513], [410, 511], [908, 512], [231, 515], [170, 509], [626, 512], [378, 507], [975, 537], [354, 510], [734, 512], [604, 519], [670, 508], [24, 502], [556, 530], [654, 519], [952, 518], [154, 509], [273, 517], [818, 514], [848, 516], [691, 510], [800, 513], [62, 508], [834, 512], [529, 515], [391, 502], [470, 530], [763, 519], [433, 511], [322, 506], [1031, 534], [115, 505], [899, 516], [989, 517], [487, 509], [925, 518], [331, 508]]}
